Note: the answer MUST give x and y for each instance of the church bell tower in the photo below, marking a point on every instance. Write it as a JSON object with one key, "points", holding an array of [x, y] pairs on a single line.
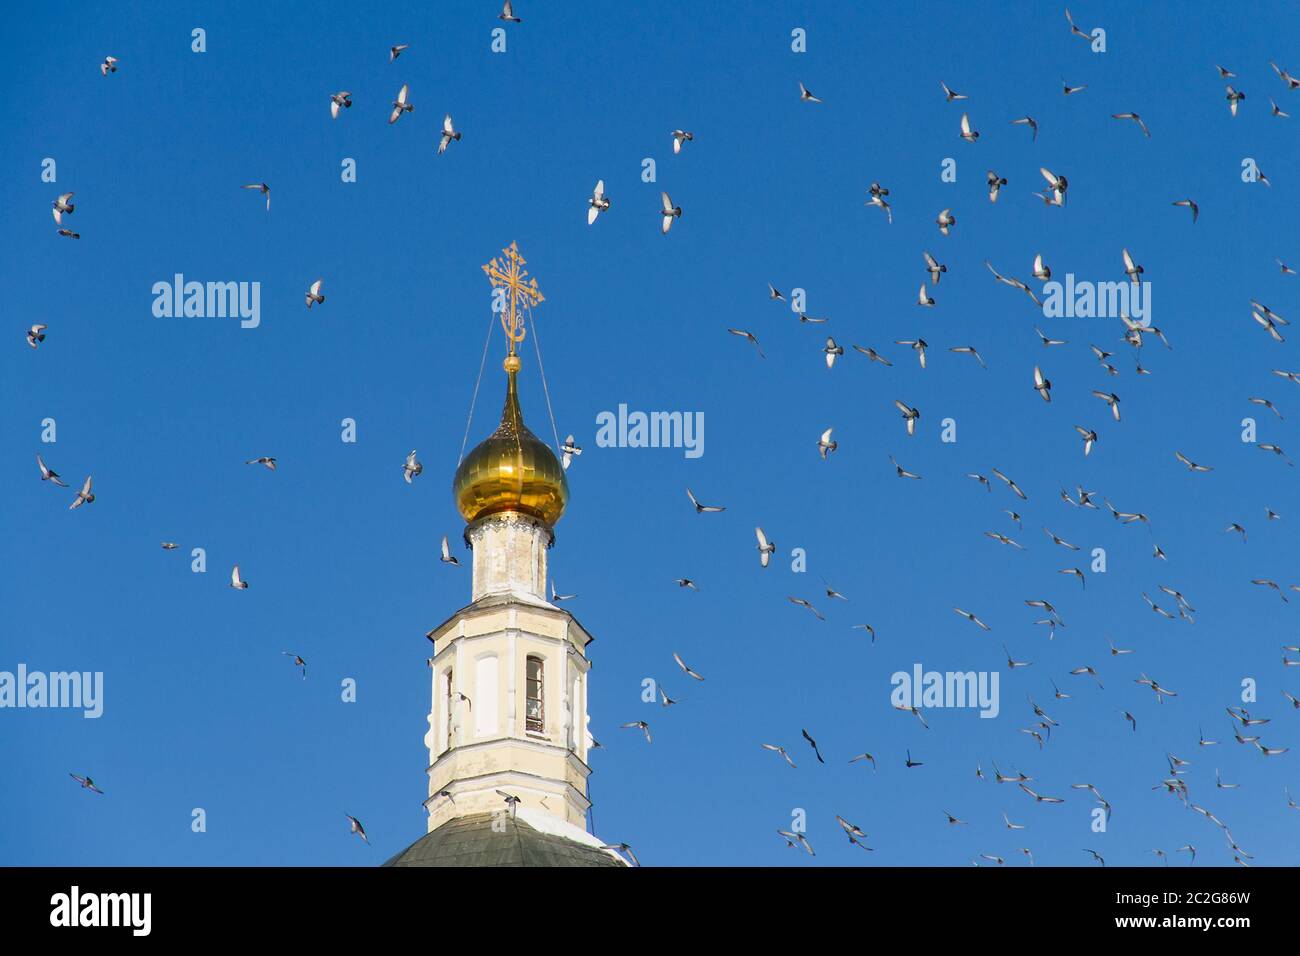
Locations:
{"points": [[509, 707]]}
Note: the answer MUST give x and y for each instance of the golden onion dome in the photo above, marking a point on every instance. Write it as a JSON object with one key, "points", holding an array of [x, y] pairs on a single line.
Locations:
{"points": [[511, 470]]}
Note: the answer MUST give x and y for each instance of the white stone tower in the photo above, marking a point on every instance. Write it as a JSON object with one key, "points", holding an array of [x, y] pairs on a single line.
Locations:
{"points": [[509, 709]]}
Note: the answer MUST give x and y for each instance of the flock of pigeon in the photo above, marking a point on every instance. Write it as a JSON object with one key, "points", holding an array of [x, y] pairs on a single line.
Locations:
{"points": [[342, 100], [1248, 728]]}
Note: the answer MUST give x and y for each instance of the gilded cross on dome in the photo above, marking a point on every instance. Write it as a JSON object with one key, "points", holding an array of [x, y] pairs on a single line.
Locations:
{"points": [[509, 273]]}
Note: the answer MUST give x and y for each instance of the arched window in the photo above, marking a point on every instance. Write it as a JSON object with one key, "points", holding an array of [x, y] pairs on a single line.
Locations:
{"points": [[534, 714]]}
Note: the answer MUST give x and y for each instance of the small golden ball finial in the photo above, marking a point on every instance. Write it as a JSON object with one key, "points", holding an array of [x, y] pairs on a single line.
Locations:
{"points": [[512, 363]]}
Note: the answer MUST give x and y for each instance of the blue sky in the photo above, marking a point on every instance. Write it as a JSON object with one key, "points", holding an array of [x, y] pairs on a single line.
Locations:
{"points": [[201, 709]]}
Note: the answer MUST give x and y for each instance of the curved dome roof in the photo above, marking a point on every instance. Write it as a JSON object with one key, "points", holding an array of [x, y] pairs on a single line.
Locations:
{"points": [[511, 470], [471, 841]]}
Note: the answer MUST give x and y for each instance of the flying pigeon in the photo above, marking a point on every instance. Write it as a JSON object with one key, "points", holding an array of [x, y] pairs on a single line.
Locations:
{"points": [[401, 105], [264, 189], [449, 133], [598, 202], [669, 212], [314, 295], [84, 497]]}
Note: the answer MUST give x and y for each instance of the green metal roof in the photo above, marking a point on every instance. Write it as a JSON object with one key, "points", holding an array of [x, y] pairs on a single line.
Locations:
{"points": [[471, 841]]}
